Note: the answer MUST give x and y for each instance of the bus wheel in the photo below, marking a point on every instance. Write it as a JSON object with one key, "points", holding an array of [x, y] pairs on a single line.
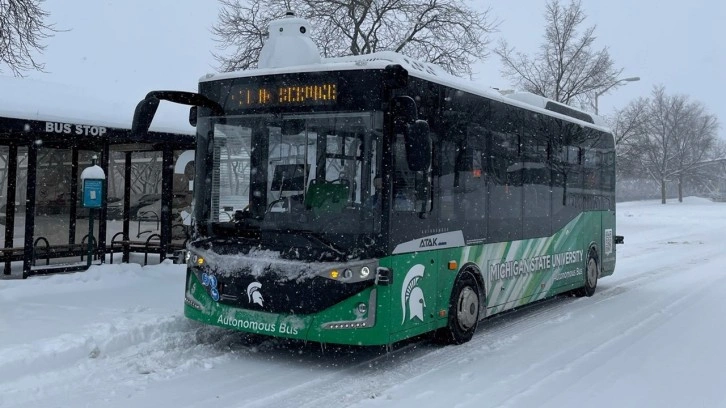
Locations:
{"points": [[591, 274], [463, 311]]}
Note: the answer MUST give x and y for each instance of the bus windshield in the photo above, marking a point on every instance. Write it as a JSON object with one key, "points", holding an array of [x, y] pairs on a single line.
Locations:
{"points": [[291, 175]]}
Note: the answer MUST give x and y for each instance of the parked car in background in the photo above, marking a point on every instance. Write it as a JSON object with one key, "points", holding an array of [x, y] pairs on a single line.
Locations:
{"points": [[143, 201], [152, 211]]}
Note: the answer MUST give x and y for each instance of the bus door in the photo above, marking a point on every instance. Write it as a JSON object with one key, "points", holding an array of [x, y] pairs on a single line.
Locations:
{"points": [[414, 260]]}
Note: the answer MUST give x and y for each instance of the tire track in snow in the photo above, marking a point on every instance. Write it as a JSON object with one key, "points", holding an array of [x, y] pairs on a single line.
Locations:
{"points": [[643, 320], [371, 378], [659, 268]]}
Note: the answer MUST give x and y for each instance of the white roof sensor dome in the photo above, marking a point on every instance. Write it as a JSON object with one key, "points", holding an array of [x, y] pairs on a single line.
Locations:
{"points": [[288, 44]]}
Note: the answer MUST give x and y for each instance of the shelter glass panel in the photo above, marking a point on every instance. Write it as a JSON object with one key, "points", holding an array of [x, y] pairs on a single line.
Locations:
{"points": [[145, 203], [21, 184], [54, 201]]}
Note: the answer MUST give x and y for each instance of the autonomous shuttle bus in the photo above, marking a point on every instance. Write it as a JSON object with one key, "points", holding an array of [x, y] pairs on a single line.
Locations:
{"points": [[365, 200]]}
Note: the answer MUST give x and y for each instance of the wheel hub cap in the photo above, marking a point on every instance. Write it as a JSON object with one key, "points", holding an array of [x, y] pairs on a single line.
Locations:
{"points": [[591, 272], [468, 308]]}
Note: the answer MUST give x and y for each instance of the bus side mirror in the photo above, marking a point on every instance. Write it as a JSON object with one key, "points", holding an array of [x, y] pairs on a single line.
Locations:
{"points": [[418, 146], [193, 116], [143, 115], [395, 76], [403, 110], [146, 109]]}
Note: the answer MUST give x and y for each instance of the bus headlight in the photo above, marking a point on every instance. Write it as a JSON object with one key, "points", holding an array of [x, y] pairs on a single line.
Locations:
{"points": [[195, 260], [350, 272]]}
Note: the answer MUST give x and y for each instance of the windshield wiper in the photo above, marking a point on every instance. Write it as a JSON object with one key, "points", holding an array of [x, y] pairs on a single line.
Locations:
{"points": [[297, 243], [324, 242]]}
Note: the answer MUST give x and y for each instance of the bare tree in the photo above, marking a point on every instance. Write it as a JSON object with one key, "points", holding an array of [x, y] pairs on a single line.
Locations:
{"points": [[709, 176], [146, 173], [625, 125], [694, 144], [22, 31], [657, 138], [566, 68], [444, 32], [628, 121], [671, 141], [717, 185]]}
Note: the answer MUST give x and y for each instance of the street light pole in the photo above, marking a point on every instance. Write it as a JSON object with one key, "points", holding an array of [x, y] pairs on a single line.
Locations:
{"points": [[597, 95]]}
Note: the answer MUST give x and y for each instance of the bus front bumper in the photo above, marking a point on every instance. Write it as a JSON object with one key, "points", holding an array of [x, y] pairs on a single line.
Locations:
{"points": [[353, 321]]}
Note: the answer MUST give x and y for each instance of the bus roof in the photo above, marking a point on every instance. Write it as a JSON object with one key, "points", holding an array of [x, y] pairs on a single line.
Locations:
{"points": [[289, 49], [424, 71]]}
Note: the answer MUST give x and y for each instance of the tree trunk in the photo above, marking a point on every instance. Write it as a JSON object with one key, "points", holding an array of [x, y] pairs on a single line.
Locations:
{"points": [[680, 189], [662, 191]]}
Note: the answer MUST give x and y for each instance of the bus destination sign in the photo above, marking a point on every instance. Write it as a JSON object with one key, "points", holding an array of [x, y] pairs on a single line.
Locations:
{"points": [[263, 95]]}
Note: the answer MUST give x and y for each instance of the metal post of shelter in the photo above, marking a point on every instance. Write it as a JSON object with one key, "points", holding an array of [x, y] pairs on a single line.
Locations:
{"points": [[103, 219], [127, 204], [73, 196], [167, 192]]}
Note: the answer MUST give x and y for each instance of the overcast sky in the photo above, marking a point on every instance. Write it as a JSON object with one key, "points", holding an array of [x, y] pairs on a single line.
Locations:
{"points": [[664, 42], [120, 49]]}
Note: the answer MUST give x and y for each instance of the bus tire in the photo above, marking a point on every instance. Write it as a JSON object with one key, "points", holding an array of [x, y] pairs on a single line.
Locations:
{"points": [[463, 316], [592, 271]]}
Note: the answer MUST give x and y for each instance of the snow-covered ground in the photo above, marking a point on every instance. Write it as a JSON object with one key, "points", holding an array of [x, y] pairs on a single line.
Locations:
{"points": [[654, 334]]}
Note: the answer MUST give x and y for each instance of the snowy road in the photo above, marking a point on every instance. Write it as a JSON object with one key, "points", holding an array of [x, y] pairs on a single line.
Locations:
{"points": [[653, 335]]}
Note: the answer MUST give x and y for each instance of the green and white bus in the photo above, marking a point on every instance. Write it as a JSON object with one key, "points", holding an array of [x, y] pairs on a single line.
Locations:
{"points": [[366, 200]]}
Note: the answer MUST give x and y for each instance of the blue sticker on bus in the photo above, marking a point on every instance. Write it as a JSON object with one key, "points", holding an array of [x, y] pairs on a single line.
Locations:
{"points": [[205, 279], [215, 294]]}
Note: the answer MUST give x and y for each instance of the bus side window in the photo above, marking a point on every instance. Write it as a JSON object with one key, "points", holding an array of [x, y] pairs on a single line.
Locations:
{"points": [[446, 153], [505, 177]]}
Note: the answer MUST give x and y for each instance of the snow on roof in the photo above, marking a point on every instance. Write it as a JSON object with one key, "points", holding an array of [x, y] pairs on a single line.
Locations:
{"points": [[31, 99], [93, 172]]}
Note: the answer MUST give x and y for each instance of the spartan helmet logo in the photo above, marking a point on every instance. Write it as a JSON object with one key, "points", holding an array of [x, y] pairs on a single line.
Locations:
{"points": [[253, 293], [412, 295]]}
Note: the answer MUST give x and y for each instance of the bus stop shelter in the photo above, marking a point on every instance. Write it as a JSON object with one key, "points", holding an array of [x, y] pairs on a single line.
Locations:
{"points": [[45, 229]]}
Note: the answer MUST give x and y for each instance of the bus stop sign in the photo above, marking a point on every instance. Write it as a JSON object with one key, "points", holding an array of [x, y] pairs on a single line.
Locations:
{"points": [[92, 193]]}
